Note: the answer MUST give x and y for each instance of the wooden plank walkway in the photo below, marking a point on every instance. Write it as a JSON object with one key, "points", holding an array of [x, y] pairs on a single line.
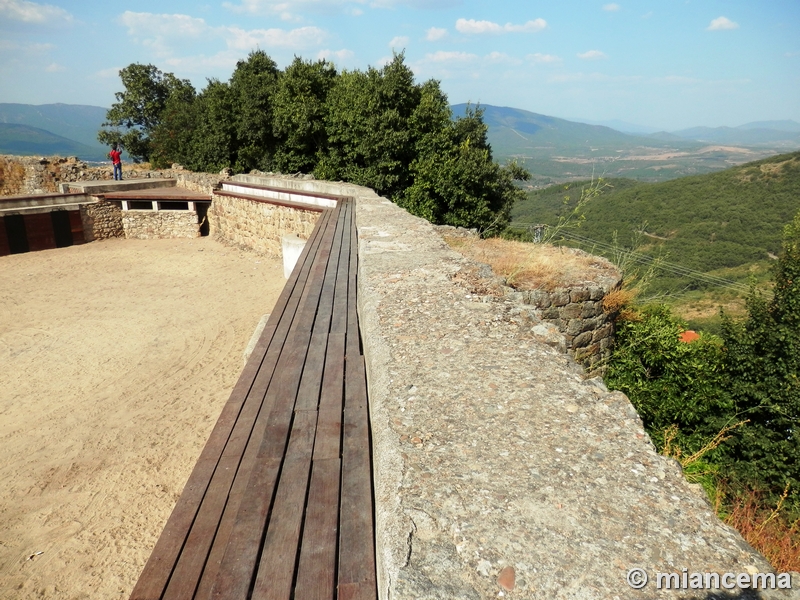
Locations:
{"points": [[280, 502]]}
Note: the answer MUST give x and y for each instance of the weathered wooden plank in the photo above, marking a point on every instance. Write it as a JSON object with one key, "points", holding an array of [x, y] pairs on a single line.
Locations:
{"points": [[339, 317], [243, 545], [329, 422], [5, 247], [275, 575], [308, 394], [316, 571], [159, 568], [39, 227], [76, 227], [356, 521], [353, 332], [204, 531]]}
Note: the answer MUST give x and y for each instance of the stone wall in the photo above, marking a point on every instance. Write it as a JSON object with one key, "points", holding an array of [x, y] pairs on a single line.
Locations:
{"points": [[22, 175], [258, 226], [577, 313], [160, 224], [101, 220]]}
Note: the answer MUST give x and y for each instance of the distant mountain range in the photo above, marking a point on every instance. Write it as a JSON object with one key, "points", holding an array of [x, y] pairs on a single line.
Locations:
{"points": [[557, 150], [65, 123], [24, 140]]}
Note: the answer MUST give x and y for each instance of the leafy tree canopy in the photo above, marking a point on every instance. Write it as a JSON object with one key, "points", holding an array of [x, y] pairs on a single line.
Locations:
{"points": [[377, 128], [140, 107]]}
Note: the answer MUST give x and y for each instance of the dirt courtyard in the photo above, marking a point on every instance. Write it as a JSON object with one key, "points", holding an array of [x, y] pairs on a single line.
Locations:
{"points": [[116, 358]]}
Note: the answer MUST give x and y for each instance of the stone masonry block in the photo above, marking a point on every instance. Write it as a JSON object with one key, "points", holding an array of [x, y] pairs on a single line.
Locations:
{"points": [[559, 298], [579, 295], [571, 311]]}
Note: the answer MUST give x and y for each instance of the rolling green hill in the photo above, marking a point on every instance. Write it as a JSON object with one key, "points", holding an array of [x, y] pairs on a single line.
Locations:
{"points": [[727, 223], [24, 140]]}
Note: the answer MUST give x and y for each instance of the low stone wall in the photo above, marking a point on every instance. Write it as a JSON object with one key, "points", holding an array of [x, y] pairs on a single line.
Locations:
{"points": [[23, 175], [257, 226], [101, 221], [161, 224], [578, 313]]}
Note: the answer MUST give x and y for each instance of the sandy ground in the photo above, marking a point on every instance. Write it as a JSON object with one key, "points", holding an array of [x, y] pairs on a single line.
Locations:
{"points": [[116, 358]]}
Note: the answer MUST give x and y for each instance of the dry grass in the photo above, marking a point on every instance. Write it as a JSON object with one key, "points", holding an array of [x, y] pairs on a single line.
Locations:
{"points": [[767, 530], [533, 266]]}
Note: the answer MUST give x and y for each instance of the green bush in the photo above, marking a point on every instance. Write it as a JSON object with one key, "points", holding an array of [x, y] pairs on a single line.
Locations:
{"points": [[670, 382], [763, 366]]}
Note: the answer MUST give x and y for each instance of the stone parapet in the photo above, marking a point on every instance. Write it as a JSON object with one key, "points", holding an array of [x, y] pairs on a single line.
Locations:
{"points": [[23, 175], [499, 470]]}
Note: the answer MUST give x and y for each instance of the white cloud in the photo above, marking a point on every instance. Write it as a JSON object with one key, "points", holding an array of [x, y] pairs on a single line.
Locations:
{"points": [[302, 37], [292, 10], [31, 12], [592, 55], [153, 25], [722, 23], [55, 67], [418, 4], [476, 27], [450, 56], [594, 78], [334, 55], [27, 49], [435, 34], [109, 73], [500, 57], [543, 58], [613, 7], [401, 41], [159, 32]]}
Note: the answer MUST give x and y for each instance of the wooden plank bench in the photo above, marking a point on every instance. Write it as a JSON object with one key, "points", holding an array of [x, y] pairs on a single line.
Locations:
{"points": [[280, 503]]}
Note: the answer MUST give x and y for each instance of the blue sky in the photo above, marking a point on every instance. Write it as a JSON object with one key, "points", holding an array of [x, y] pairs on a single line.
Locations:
{"points": [[667, 64]]}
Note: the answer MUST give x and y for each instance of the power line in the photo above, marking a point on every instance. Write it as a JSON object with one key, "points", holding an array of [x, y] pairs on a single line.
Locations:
{"points": [[640, 258]]}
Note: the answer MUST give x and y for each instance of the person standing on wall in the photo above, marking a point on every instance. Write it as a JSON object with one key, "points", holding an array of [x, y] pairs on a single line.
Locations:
{"points": [[116, 160]]}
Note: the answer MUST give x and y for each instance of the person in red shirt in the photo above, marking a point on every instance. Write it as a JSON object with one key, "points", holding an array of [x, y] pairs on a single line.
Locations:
{"points": [[116, 160]]}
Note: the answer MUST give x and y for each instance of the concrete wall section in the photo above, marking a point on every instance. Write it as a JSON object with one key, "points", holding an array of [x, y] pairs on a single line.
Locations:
{"points": [[162, 224], [498, 469], [255, 225]]}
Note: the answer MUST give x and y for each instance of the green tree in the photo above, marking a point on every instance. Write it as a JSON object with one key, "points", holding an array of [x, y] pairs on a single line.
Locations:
{"points": [[140, 107], [252, 88], [455, 180], [171, 140], [213, 144], [763, 361], [367, 122], [299, 114]]}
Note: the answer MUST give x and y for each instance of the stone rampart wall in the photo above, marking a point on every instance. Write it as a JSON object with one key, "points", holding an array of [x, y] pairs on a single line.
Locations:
{"points": [[500, 471], [161, 224], [257, 226], [101, 221]]}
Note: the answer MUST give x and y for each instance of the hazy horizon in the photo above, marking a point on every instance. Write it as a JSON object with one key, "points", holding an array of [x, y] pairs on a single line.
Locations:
{"points": [[664, 67]]}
